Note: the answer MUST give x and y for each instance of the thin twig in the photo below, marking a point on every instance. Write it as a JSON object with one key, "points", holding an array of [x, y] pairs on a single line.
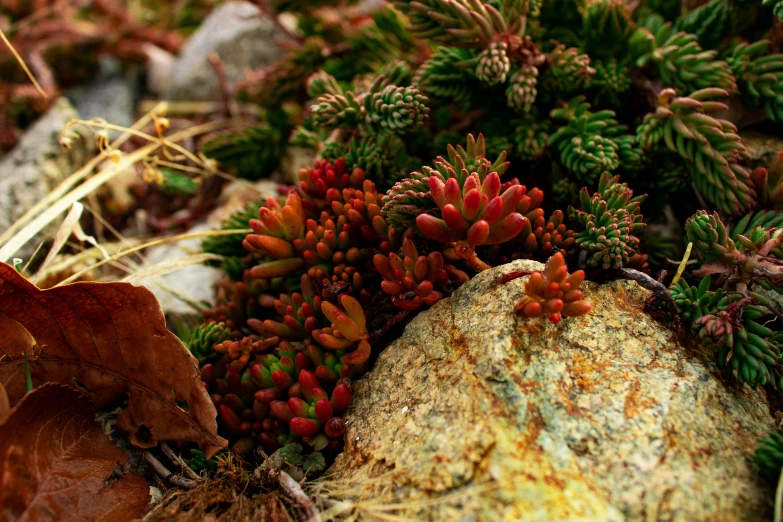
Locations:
{"points": [[268, 11], [164, 472], [24, 65], [294, 490], [226, 91], [178, 460], [650, 284]]}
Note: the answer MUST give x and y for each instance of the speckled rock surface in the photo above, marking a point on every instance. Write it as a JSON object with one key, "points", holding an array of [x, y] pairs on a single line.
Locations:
{"points": [[240, 35], [475, 414]]}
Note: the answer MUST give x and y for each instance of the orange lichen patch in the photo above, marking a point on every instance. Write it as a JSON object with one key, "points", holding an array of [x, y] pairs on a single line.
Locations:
{"points": [[584, 370], [633, 404], [571, 408], [527, 387]]}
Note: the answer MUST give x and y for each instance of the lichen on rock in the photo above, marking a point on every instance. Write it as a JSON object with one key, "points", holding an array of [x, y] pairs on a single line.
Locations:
{"points": [[476, 414]]}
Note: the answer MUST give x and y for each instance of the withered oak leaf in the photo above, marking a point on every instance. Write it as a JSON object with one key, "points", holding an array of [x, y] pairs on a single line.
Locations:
{"points": [[55, 460], [108, 339]]}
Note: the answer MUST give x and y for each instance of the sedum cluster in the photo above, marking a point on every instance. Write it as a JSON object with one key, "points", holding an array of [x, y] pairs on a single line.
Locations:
{"points": [[437, 128]]}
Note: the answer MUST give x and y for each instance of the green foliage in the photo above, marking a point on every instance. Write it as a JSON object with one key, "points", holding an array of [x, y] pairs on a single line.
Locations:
{"points": [[710, 23], [253, 152], [230, 245], [204, 338], [711, 146], [610, 222], [769, 454], [778, 7], [586, 148], [682, 63], [759, 77]]}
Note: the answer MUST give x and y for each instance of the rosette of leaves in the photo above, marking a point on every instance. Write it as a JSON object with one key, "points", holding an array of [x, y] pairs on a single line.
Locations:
{"points": [[568, 71], [710, 146], [254, 403], [457, 22], [553, 292], [230, 245], [710, 23], [759, 77], [382, 158], [252, 152], [610, 221], [682, 63], [384, 109], [412, 280], [769, 453], [444, 77], [694, 302], [473, 214], [611, 79], [521, 91], [766, 219], [753, 258], [493, 64], [744, 346], [394, 109], [607, 26], [203, 339], [411, 196], [531, 134], [584, 149]]}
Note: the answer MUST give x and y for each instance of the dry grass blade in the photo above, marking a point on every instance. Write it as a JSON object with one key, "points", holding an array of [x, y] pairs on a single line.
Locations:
{"points": [[24, 65], [170, 265], [69, 224], [156, 242], [75, 178], [58, 201], [62, 204], [86, 256]]}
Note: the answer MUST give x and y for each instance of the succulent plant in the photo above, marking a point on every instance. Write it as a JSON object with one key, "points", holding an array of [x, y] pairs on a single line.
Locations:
{"points": [[553, 293], [592, 99]]}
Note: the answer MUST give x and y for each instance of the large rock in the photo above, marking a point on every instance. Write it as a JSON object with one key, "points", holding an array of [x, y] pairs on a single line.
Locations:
{"points": [[36, 165], [475, 414], [241, 37]]}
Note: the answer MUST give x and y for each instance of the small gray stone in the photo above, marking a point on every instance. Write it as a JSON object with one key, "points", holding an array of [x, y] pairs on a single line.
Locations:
{"points": [[475, 413], [241, 37], [36, 165], [111, 97]]}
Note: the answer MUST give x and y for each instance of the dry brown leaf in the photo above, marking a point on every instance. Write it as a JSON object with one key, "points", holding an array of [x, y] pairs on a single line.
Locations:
{"points": [[5, 404], [55, 461], [109, 339]]}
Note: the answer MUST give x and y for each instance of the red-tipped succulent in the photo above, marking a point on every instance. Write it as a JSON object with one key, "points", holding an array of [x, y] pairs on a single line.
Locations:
{"points": [[349, 327], [275, 231], [411, 280], [319, 183], [472, 215], [553, 292]]}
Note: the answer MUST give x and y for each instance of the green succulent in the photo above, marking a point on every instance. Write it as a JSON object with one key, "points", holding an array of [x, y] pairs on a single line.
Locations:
{"points": [[710, 146], [204, 338], [610, 223], [759, 77]]}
